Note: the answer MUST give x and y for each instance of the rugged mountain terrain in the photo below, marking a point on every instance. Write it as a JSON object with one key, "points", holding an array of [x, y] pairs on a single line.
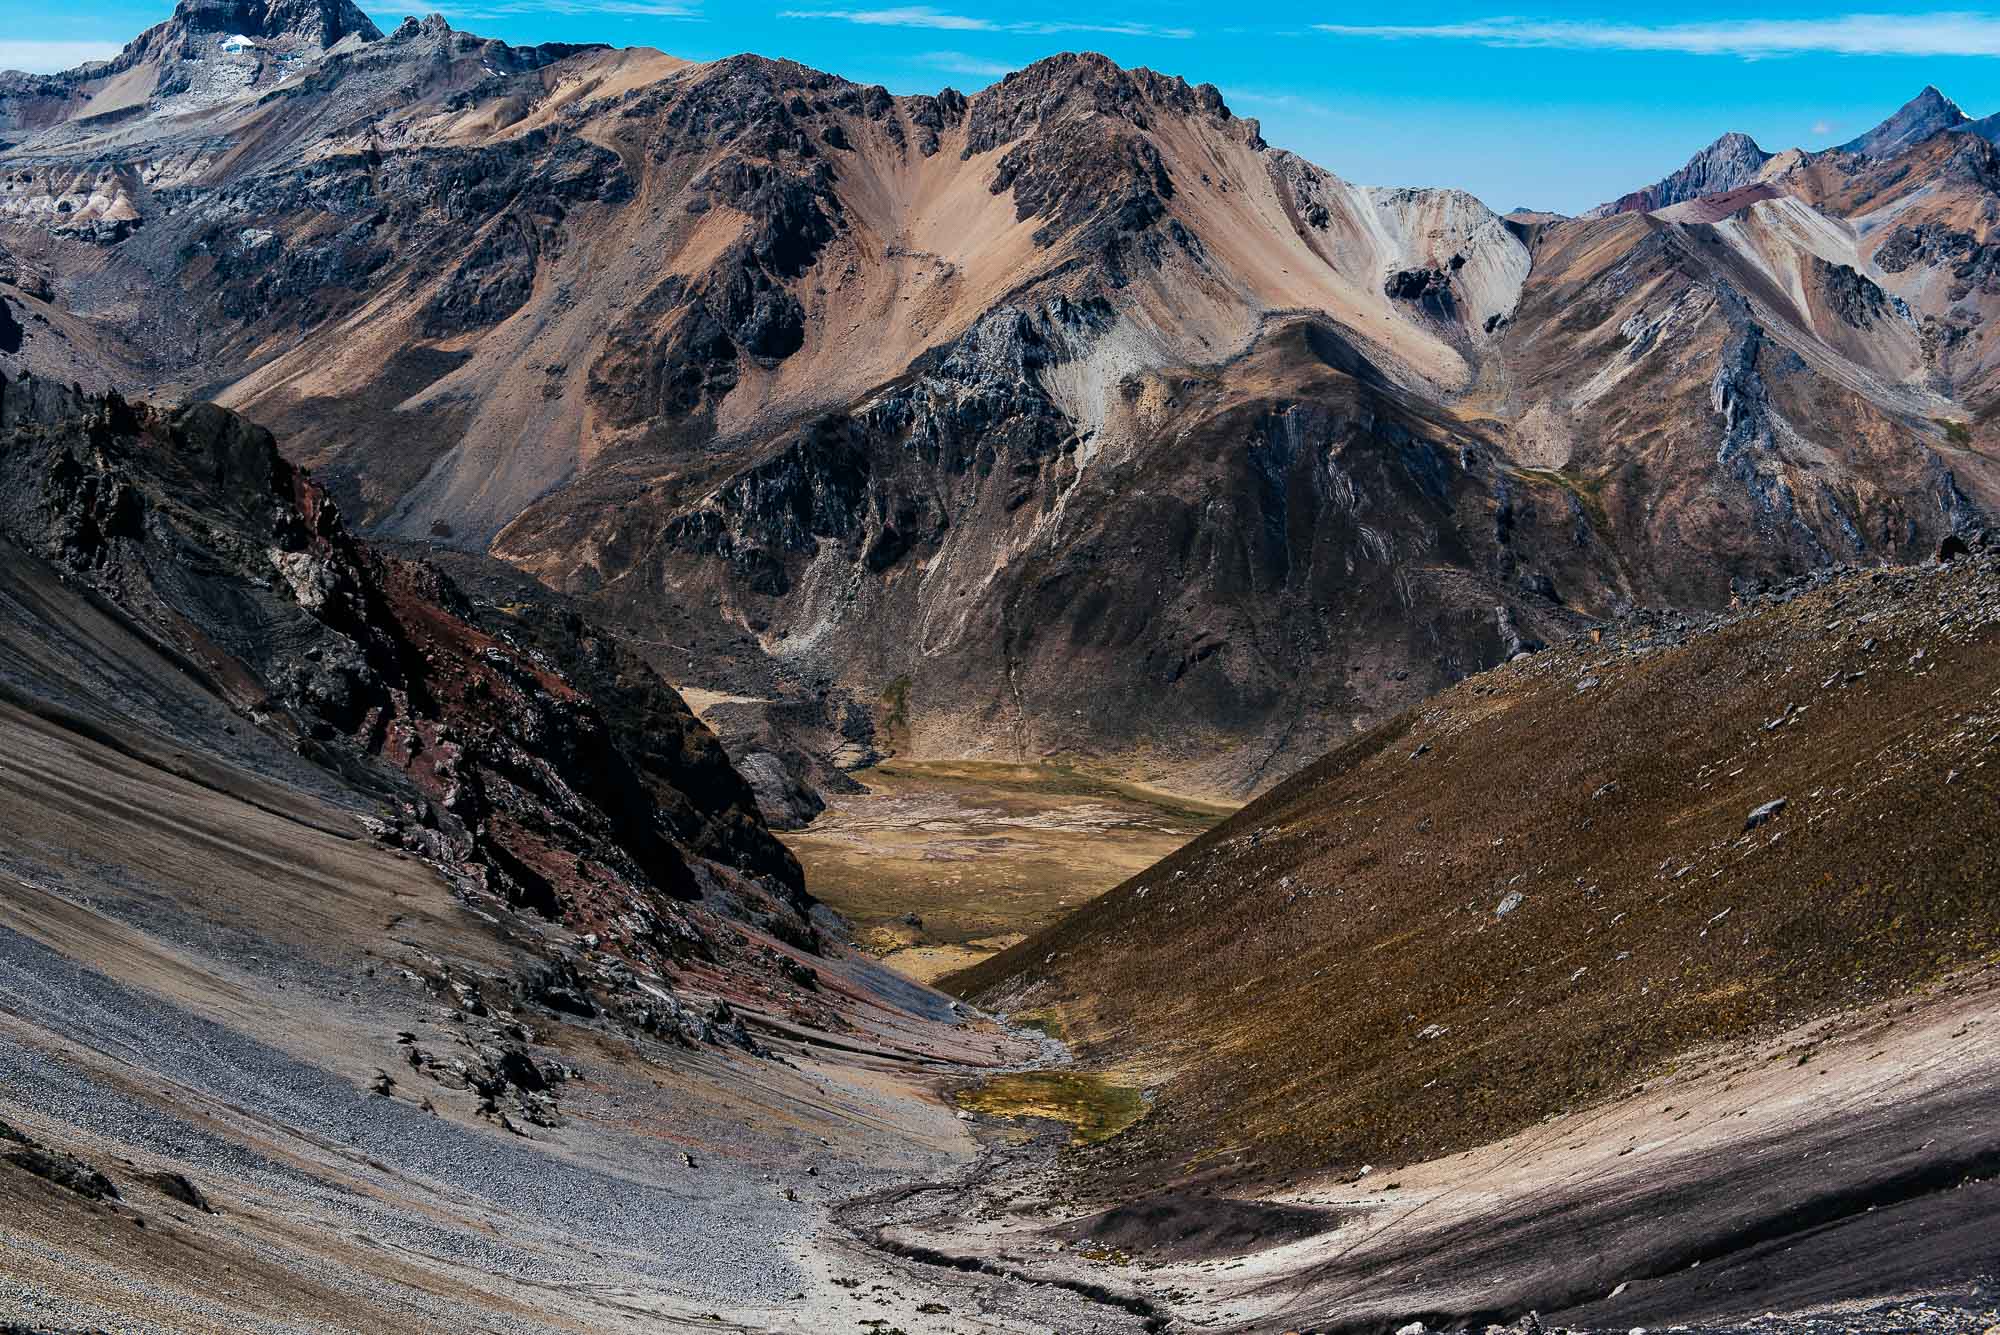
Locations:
{"points": [[400, 912], [1044, 420], [209, 51], [485, 748], [293, 1033], [370, 956], [1735, 868]]}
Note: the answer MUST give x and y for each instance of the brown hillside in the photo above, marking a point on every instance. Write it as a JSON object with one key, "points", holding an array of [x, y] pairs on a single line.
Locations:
{"points": [[1328, 980]]}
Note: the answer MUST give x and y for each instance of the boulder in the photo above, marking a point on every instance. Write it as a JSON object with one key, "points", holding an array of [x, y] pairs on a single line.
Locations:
{"points": [[1765, 814], [177, 1187]]}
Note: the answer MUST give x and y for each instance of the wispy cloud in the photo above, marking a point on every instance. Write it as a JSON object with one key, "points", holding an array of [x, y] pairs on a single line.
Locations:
{"points": [[906, 16], [1822, 127], [500, 9], [972, 67], [663, 10], [925, 16], [1937, 34], [50, 57], [1264, 101]]}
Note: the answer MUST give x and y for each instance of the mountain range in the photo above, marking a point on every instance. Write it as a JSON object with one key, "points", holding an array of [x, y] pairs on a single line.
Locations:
{"points": [[400, 432], [1072, 415]]}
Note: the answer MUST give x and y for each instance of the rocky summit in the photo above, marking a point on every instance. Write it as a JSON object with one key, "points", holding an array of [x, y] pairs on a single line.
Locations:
{"points": [[692, 693]]}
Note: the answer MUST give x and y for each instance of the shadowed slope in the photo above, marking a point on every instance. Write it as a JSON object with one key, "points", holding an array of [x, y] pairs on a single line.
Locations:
{"points": [[1546, 883]]}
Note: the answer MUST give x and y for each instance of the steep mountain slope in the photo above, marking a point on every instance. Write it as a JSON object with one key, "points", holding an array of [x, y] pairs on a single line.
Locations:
{"points": [[190, 531], [1061, 414], [374, 959], [1555, 901], [1561, 830]]}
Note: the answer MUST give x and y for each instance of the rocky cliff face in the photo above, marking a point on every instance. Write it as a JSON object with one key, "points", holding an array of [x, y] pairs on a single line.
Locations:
{"points": [[490, 752]]}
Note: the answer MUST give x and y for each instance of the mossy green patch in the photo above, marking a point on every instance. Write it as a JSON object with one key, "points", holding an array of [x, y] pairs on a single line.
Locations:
{"points": [[1043, 1020], [1587, 488], [1093, 1106], [893, 711]]}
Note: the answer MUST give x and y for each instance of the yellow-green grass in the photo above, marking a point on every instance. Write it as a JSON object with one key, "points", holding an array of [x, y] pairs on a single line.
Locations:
{"points": [[982, 853], [1095, 1107]]}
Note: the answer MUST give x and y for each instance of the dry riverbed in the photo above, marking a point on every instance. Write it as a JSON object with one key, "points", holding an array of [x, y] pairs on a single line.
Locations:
{"points": [[981, 854]]}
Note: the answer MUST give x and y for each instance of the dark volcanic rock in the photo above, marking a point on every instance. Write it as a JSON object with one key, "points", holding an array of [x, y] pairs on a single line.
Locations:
{"points": [[1975, 265], [786, 799], [1852, 295], [192, 522], [177, 1187], [65, 1171], [556, 985], [1428, 289]]}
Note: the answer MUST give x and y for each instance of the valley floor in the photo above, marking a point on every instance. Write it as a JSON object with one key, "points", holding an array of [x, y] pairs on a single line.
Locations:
{"points": [[981, 854]]}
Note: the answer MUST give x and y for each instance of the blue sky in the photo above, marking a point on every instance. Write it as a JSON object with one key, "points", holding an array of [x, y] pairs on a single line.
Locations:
{"points": [[1557, 105]]}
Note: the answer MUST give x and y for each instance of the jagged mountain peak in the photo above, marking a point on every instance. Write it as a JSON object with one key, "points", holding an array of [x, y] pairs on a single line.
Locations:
{"points": [[1089, 69], [200, 29], [1929, 112], [319, 22], [1733, 142], [433, 24], [1731, 162], [1094, 82], [1733, 158]]}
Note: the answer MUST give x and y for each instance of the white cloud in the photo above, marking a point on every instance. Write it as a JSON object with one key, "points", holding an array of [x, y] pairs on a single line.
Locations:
{"points": [[1822, 127], [51, 57], [500, 9], [907, 16], [925, 16], [646, 7], [1116, 29], [972, 67], [1938, 34], [1261, 100]]}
